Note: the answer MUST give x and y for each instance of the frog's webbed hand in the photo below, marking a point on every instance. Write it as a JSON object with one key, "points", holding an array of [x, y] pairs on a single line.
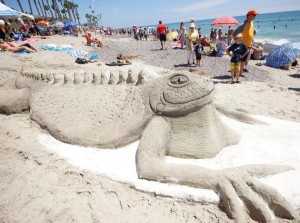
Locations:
{"points": [[242, 195]]}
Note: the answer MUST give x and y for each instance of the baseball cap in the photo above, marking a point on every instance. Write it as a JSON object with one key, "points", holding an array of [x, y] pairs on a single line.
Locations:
{"points": [[252, 12], [239, 35]]}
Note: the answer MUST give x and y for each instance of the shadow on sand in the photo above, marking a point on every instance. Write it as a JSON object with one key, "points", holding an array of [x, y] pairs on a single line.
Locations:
{"points": [[294, 89], [185, 65]]}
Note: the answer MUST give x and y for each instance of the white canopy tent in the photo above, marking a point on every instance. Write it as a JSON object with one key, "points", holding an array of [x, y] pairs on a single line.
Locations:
{"points": [[9, 13]]}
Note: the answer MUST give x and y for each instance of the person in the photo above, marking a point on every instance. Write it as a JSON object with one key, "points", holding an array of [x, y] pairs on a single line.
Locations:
{"points": [[220, 34], [2, 33], [238, 50], [14, 48], [198, 51], [182, 32], [247, 29], [161, 31], [192, 21], [229, 36], [90, 40], [192, 38], [146, 33], [134, 31], [214, 36], [8, 31], [221, 47], [258, 52]]}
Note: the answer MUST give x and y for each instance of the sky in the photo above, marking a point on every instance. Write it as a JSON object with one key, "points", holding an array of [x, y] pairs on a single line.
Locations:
{"points": [[120, 13]]}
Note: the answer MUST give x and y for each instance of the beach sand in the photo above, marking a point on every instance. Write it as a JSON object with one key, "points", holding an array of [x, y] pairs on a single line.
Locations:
{"points": [[38, 185]]}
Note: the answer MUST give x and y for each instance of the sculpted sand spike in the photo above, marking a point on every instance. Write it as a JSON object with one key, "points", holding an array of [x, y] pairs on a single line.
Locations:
{"points": [[112, 78], [130, 79], [181, 107], [121, 78]]}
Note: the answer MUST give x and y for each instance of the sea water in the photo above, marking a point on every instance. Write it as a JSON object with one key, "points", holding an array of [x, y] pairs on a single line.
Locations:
{"points": [[275, 28]]}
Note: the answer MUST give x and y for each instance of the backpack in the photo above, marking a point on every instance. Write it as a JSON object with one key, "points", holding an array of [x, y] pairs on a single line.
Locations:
{"points": [[81, 60]]}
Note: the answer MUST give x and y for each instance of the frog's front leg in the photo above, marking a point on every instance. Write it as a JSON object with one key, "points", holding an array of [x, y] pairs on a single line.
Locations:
{"points": [[241, 195], [151, 165]]}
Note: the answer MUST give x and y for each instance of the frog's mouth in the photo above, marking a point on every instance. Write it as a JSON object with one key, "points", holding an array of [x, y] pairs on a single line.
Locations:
{"points": [[165, 99], [181, 90]]}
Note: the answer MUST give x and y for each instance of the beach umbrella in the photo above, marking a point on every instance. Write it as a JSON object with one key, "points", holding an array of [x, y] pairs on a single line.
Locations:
{"points": [[42, 23], [172, 35], [281, 55], [295, 45], [68, 25], [225, 21]]}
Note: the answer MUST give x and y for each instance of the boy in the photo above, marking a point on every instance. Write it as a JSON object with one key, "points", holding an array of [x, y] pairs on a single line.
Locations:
{"points": [[239, 50], [198, 51]]}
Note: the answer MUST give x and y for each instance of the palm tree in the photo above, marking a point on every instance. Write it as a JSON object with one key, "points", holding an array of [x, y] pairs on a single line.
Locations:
{"points": [[42, 9], [88, 18], [56, 8], [62, 11], [37, 8], [20, 5], [68, 6], [31, 12], [45, 8], [77, 14], [49, 9]]}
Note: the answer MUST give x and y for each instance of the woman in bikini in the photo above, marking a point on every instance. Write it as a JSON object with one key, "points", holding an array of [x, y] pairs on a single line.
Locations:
{"points": [[14, 48]]}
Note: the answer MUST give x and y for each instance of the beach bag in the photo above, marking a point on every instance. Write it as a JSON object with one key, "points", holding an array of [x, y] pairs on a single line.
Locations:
{"points": [[81, 60]]}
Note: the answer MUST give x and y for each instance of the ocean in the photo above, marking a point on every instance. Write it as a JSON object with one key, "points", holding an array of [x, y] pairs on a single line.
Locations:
{"points": [[274, 28]]}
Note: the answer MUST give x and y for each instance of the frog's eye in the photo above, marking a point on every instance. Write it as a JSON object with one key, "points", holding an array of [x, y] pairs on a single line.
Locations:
{"points": [[179, 80]]}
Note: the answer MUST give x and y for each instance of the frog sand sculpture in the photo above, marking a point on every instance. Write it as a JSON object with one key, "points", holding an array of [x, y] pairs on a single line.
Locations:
{"points": [[172, 116]]}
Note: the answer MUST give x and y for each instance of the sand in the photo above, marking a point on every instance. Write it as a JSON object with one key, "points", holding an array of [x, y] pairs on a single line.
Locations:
{"points": [[37, 185]]}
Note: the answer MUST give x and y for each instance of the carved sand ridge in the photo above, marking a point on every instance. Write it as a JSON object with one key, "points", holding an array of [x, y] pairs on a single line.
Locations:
{"points": [[75, 78]]}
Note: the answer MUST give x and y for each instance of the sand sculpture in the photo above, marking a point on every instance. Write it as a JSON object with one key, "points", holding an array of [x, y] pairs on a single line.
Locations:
{"points": [[173, 116]]}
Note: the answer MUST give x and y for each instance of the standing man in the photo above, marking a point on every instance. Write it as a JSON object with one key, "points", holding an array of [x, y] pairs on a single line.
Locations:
{"points": [[162, 33], [247, 29]]}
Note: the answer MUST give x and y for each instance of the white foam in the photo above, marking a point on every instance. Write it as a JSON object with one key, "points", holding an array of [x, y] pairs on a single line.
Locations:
{"points": [[276, 143], [277, 42]]}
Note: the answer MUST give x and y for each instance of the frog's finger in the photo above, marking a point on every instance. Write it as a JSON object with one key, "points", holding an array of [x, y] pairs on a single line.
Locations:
{"points": [[231, 202], [279, 204], [258, 210]]}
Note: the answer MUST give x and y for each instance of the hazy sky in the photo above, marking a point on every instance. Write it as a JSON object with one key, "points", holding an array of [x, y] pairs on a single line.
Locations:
{"points": [[120, 13]]}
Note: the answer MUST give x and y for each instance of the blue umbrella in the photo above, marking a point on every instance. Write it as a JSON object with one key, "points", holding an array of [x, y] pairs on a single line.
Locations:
{"points": [[295, 45], [68, 25], [281, 55]]}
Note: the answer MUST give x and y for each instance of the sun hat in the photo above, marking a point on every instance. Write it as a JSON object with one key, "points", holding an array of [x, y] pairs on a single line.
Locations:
{"points": [[239, 35], [1, 23], [252, 12], [192, 25]]}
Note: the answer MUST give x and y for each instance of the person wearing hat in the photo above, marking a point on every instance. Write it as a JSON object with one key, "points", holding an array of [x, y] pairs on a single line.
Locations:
{"points": [[2, 33], [192, 38], [236, 51], [247, 29]]}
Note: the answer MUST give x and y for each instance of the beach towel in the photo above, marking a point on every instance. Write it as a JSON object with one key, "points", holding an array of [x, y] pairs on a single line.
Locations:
{"points": [[175, 45], [54, 47], [77, 53], [22, 52]]}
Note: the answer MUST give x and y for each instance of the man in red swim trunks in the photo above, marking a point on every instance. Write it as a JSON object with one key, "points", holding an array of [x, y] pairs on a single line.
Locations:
{"points": [[162, 32]]}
